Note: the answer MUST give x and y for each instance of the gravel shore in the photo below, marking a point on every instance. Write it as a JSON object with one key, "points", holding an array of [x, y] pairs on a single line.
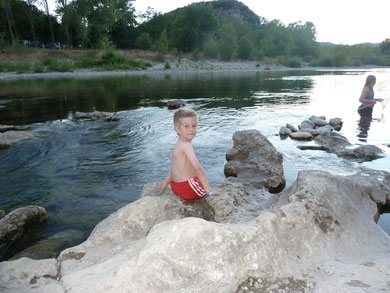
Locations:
{"points": [[184, 66]]}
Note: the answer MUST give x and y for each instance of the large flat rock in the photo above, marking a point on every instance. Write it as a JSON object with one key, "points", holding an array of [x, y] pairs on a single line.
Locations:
{"points": [[318, 235]]}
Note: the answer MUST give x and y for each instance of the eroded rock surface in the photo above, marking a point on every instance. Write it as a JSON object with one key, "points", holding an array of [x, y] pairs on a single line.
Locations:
{"points": [[319, 236], [254, 160]]}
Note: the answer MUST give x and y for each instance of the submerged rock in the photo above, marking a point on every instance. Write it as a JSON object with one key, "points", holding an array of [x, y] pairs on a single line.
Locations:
{"points": [[11, 137], [96, 116], [19, 222], [175, 104], [338, 144], [4, 128], [284, 131], [48, 248], [315, 126], [291, 127], [254, 160], [301, 135], [319, 235]]}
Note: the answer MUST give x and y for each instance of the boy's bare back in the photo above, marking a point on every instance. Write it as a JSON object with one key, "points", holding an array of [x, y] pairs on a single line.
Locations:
{"points": [[181, 166]]}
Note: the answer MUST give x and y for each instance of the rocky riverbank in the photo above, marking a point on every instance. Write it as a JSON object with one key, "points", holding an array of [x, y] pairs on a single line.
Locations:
{"points": [[318, 235], [174, 67]]}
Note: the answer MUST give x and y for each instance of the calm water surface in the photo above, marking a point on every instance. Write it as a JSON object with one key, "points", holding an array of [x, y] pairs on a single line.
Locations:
{"points": [[83, 171]]}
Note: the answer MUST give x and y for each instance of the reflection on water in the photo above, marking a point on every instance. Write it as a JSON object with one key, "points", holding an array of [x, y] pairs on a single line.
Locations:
{"points": [[83, 171], [364, 126]]}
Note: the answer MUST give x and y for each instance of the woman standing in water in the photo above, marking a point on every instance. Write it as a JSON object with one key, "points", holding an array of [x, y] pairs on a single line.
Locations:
{"points": [[367, 97], [365, 109]]}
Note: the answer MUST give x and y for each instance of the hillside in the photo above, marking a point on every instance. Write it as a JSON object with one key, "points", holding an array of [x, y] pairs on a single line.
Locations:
{"points": [[228, 8]]}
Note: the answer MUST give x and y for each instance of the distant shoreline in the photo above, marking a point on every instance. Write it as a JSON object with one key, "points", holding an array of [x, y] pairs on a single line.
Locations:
{"points": [[186, 66]]}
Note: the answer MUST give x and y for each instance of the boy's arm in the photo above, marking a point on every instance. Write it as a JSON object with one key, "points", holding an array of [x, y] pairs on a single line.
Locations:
{"points": [[189, 152], [163, 184]]}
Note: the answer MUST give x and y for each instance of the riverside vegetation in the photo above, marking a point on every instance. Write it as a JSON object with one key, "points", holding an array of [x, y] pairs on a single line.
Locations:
{"points": [[225, 30]]}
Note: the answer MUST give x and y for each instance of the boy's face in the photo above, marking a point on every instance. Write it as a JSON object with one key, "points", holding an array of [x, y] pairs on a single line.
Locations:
{"points": [[187, 128]]}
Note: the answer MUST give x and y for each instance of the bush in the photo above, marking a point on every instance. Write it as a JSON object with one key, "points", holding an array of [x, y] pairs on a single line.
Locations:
{"points": [[167, 65], [7, 67], [110, 58], [210, 49], [339, 59], [293, 62], [65, 67], [280, 59], [86, 62], [51, 63], [106, 44], [144, 41], [23, 67], [325, 61], [245, 48], [39, 67]]}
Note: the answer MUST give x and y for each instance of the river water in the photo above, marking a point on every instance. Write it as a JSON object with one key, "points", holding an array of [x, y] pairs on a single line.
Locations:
{"points": [[83, 171]]}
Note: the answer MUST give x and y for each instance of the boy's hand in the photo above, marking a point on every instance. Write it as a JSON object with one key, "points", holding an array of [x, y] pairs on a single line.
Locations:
{"points": [[161, 186], [217, 191]]}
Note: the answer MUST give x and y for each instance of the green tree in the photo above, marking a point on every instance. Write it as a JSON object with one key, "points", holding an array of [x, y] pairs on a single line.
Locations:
{"points": [[106, 18], [30, 7], [385, 47], [227, 42], [274, 39], [210, 48], [192, 27], [46, 7], [245, 47], [303, 38], [162, 45], [144, 41]]}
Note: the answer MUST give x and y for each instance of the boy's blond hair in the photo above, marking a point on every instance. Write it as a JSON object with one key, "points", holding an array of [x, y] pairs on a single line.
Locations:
{"points": [[183, 113]]}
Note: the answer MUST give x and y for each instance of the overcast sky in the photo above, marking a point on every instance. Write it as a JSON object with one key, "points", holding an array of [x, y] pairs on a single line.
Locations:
{"points": [[338, 21]]}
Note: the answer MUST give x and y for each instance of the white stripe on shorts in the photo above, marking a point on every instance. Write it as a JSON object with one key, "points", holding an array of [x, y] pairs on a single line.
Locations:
{"points": [[195, 187]]}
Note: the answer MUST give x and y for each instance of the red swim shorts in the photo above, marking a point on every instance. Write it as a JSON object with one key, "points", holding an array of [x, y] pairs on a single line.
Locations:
{"points": [[190, 189]]}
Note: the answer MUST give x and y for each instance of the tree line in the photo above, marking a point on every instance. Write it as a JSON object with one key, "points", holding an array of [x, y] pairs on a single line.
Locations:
{"points": [[201, 29]]}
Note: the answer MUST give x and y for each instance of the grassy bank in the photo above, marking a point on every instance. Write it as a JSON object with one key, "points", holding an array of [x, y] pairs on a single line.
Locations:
{"points": [[28, 60]]}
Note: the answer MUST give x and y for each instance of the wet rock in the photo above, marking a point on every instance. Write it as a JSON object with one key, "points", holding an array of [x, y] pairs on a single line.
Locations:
{"points": [[315, 234], [254, 160], [338, 144], [96, 116], [4, 128], [332, 141], [325, 129], [301, 135], [176, 104], [49, 248], [18, 222], [364, 152], [306, 124], [284, 131], [291, 127], [11, 137], [313, 132], [337, 127], [312, 147], [2, 214], [335, 122], [318, 121]]}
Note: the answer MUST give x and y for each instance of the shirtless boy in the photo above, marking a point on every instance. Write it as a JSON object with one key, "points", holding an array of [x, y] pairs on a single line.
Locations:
{"points": [[187, 177]]}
